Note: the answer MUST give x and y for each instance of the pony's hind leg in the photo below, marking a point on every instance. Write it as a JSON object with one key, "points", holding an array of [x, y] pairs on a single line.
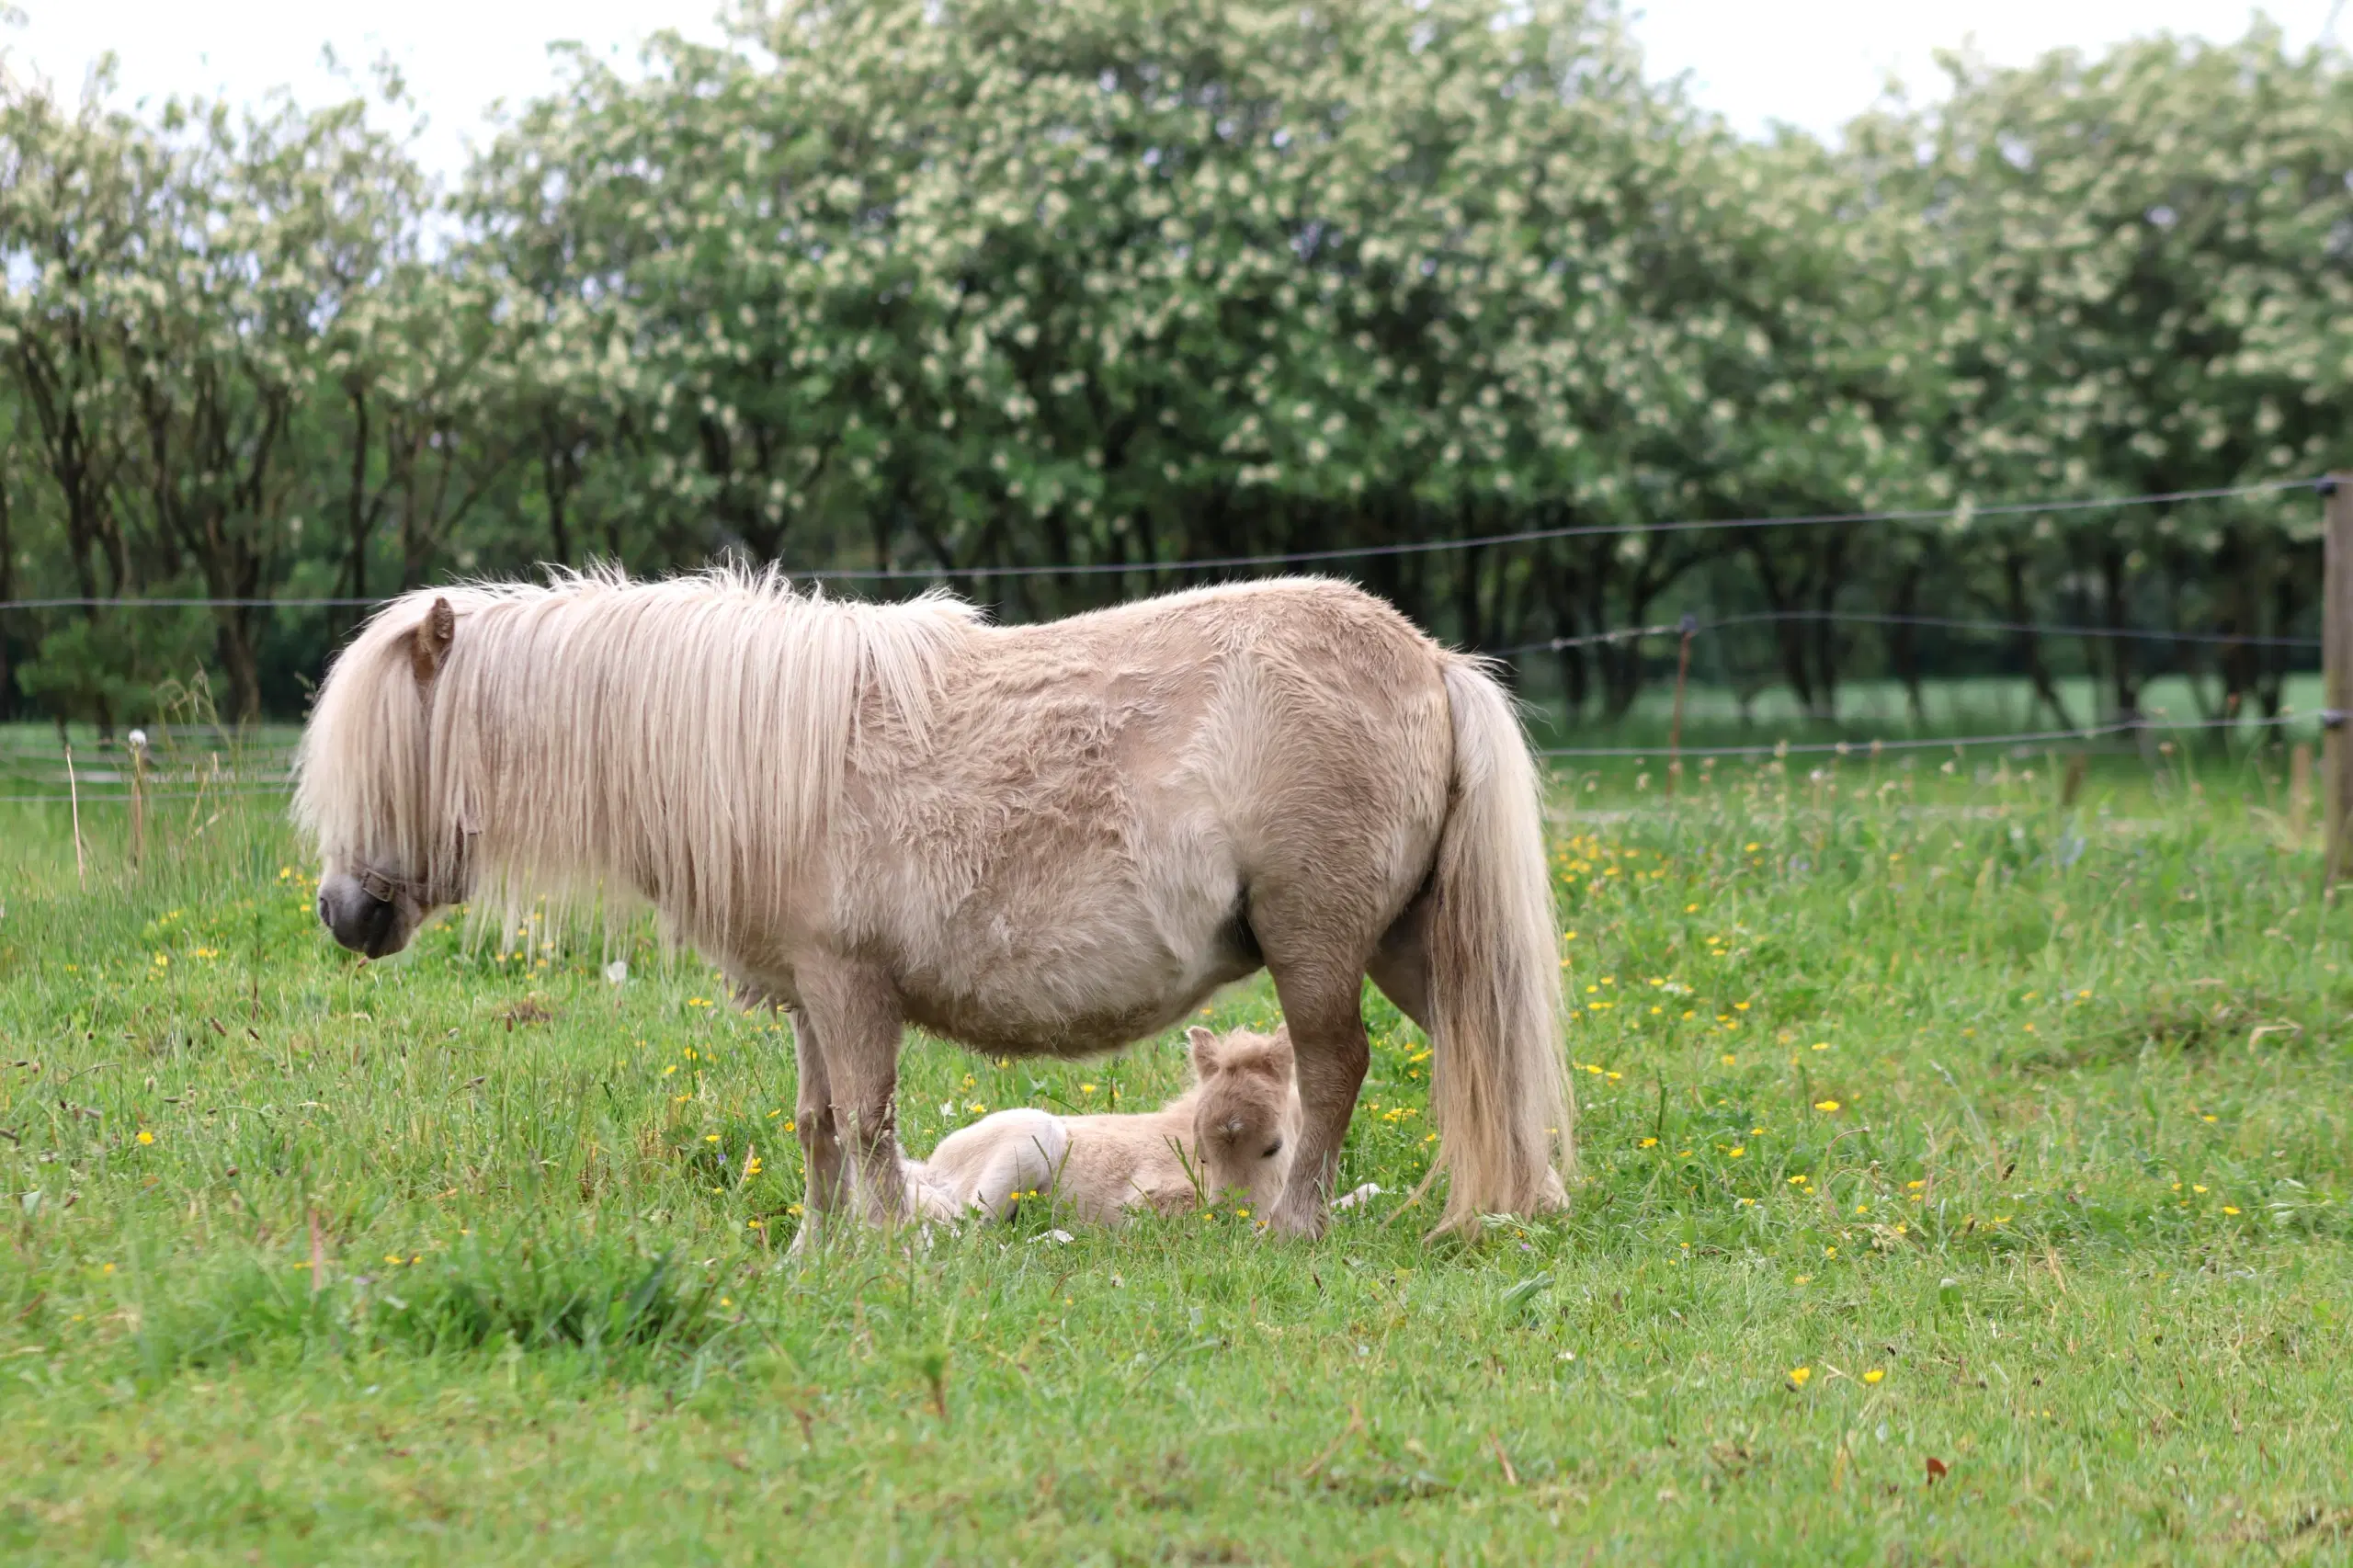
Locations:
{"points": [[1330, 1054], [856, 1011], [1401, 964]]}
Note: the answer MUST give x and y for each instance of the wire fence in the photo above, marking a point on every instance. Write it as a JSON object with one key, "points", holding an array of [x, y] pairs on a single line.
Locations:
{"points": [[110, 793], [1697, 628], [1961, 513], [264, 768], [1870, 748]]}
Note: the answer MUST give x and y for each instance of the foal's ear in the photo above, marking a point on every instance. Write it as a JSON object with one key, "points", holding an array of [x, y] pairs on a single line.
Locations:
{"points": [[1204, 1046], [428, 645], [1279, 1046]]}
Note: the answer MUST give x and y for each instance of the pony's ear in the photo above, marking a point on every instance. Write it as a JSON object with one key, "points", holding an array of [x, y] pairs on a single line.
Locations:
{"points": [[1279, 1048], [1204, 1046], [428, 645]]}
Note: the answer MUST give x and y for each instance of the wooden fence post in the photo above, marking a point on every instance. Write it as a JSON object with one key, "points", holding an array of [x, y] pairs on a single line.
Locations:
{"points": [[2300, 791], [1674, 726], [74, 793], [2337, 675], [2077, 761], [138, 799]]}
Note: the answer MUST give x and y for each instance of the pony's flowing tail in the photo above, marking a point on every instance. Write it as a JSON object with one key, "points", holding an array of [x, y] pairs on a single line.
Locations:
{"points": [[1499, 1091]]}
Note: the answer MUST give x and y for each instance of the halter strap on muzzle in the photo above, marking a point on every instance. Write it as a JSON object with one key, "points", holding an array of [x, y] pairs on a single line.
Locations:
{"points": [[384, 889]]}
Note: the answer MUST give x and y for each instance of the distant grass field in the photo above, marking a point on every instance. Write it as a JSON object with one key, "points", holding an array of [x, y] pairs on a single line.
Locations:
{"points": [[1964, 1179]]}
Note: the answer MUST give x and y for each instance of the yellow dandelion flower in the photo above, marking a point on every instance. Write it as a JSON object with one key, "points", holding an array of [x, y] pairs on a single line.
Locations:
{"points": [[1648, 1143], [2228, 1209], [1874, 1375], [1799, 1376], [145, 1136], [1825, 1104]]}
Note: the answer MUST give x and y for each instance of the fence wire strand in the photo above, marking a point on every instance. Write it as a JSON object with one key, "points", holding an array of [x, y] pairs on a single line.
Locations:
{"points": [[1866, 618], [1962, 512], [1763, 749]]}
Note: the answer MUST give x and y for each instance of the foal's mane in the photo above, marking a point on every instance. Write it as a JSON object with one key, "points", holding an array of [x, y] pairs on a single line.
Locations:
{"points": [[685, 737]]}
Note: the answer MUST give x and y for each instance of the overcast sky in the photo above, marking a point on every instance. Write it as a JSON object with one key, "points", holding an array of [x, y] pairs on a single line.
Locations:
{"points": [[1813, 62]]}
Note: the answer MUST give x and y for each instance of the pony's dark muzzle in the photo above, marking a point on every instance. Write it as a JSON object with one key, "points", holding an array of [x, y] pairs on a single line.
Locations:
{"points": [[359, 919]]}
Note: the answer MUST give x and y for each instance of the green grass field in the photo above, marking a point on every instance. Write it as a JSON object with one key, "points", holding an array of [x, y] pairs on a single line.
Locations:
{"points": [[1964, 1180]]}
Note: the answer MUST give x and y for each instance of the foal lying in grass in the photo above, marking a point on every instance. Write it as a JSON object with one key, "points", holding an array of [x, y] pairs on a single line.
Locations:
{"points": [[1232, 1135]]}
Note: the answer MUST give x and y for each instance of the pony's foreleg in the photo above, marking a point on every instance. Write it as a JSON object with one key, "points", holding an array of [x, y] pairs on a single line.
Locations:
{"points": [[858, 1018], [819, 1133], [1331, 1053]]}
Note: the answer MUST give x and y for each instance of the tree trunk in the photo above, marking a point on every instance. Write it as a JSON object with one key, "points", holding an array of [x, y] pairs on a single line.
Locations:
{"points": [[235, 642], [2030, 643], [1824, 630], [1902, 641], [2124, 682], [7, 584], [1789, 633], [555, 479]]}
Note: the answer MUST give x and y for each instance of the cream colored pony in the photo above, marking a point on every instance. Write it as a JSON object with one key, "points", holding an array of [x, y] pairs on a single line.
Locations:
{"points": [[1034, 839], [1231, 1136]]}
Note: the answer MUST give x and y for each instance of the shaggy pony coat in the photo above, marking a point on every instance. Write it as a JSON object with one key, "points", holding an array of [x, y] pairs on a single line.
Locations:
{"points": [[1051, 839]]}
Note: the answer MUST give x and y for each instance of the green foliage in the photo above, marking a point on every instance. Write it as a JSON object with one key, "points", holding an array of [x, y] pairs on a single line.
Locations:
{"points": [[936, 287]]}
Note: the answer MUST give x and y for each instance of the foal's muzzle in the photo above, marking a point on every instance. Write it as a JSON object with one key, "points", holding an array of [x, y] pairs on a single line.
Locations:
{"points": [[359, 919]]}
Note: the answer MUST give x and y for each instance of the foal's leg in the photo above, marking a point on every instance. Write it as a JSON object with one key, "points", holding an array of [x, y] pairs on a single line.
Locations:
{"points": [[818, 1129], [856, 1009]]}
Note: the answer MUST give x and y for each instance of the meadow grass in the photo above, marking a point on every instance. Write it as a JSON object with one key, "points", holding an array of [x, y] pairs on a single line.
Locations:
{"points": [[1963, 1180]]}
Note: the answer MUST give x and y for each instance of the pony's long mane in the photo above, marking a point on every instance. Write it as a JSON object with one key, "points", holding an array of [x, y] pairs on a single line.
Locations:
{"points": [[684, 738]]}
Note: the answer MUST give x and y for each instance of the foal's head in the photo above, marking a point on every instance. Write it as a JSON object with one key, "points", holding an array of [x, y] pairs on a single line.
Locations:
{"points": [[1245, 1113], [365, 789]]}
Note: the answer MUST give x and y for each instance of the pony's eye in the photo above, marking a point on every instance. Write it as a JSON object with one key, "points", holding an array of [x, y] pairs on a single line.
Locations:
{"points": [[1272, 1150]]}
